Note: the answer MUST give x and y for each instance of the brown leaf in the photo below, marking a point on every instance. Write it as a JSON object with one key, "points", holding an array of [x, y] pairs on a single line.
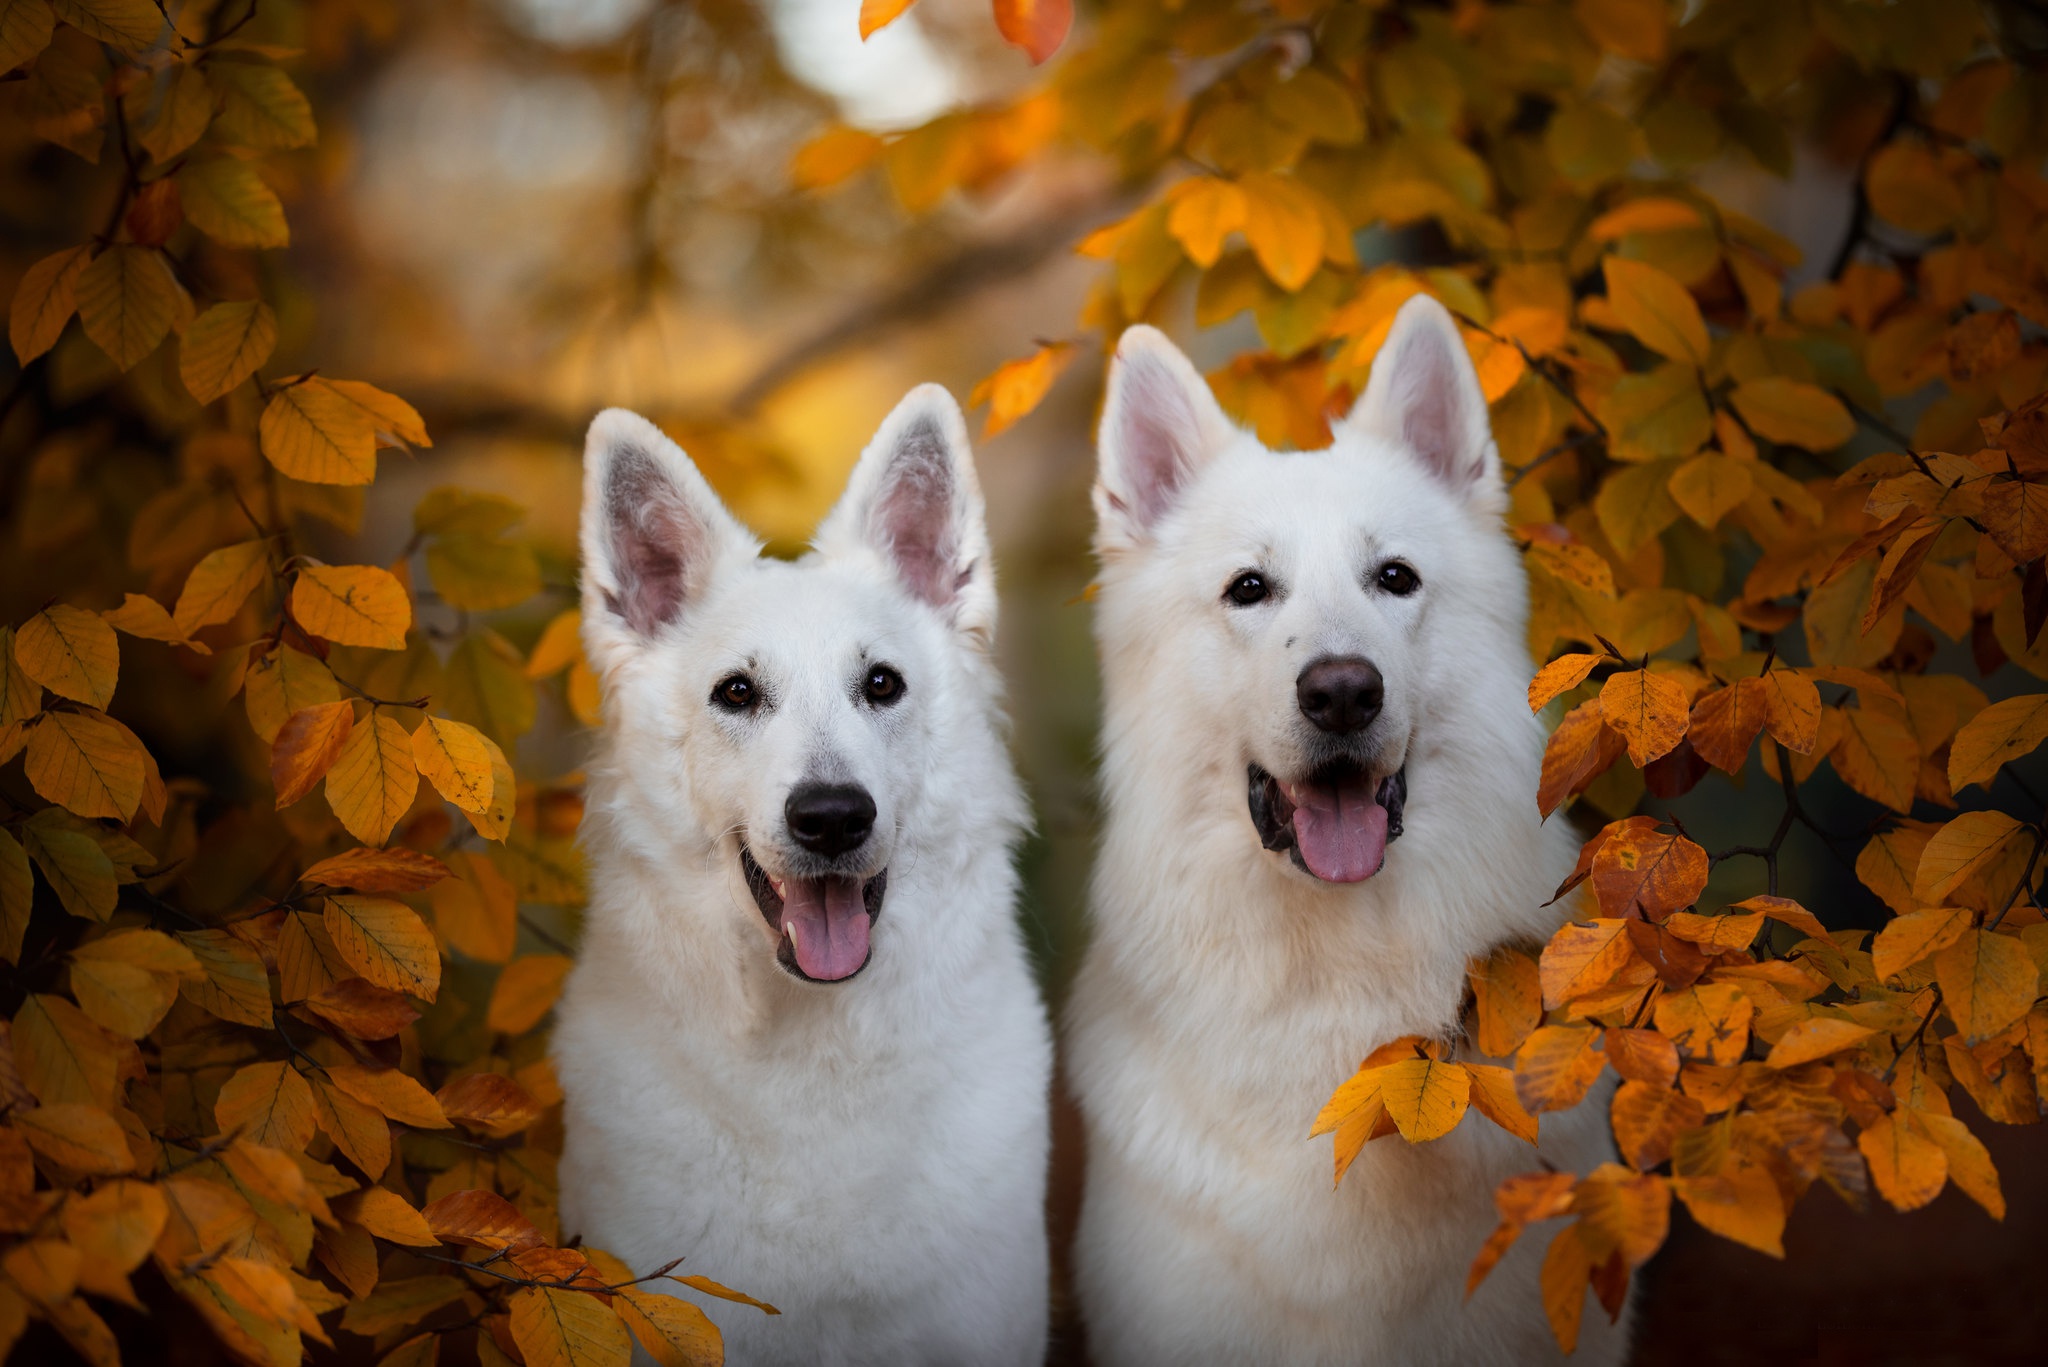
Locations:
{"points": [[481, 1219], [306, 747], [491, 1103]]}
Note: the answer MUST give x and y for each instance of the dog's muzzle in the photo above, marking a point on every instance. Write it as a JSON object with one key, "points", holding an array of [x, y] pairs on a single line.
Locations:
{"points": [[1335, 824], [825, 924]]}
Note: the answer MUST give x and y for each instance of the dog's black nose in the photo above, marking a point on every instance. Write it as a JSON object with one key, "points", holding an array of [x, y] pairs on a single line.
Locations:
{"points": [[829, 818], [1340, 693]]}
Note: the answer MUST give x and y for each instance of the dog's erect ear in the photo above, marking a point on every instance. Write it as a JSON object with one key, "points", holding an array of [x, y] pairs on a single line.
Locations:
{"points": [[652, 533], [1160, 424], [913, 499], [1424, 394]]}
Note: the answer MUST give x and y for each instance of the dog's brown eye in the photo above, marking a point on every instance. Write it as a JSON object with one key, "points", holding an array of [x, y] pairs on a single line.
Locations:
{"points": [[884, 684], [1397, 579], [1248, 588], [735, 693]]}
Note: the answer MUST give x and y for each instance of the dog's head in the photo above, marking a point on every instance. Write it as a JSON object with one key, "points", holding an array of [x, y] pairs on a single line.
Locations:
{"points": [[1298, 605], [782, 715]]}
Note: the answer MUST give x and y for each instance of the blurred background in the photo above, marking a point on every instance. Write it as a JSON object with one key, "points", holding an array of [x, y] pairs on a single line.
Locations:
{"points": [[522, 211]]}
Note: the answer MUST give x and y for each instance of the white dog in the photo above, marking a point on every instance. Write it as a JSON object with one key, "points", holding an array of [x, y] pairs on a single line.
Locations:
{"points": [[1306, 655], [802, 1044]]}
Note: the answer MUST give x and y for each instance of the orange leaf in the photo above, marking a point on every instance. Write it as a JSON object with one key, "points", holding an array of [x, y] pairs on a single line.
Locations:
{"points": [[1283, 221], [1426, 1098], [1507, 996], [1648, 710], [1579, 751], [1567, 1268], [352, 605], [1582, 958], [391, 1091], [2001, 733], [1642, 1056], [491, 1103], [833, 156], [1037, 26], [1646, 872], [481, 1219], [361, 1008], [87, 763], [1561, 675], [1622, 1212], [1017, 387], [526, 991], [1717, 933], [1958, 850], [1906, 940], [306, 747], [373, 780], [1493, 1096], [269, 1104], [1725, 723], [377, 871], [71, 652], [1909, 1168], [1709, 1021], [1647, 1118], [1817, 1038], [1793, 412], [1792, 710], [1205, 211], [879, 14], [1742, 1204], [1557, 1065], [387, 1215], [1988, 981], [386, 942], [1969, 1163], [674, 1332], [561, 1328]]}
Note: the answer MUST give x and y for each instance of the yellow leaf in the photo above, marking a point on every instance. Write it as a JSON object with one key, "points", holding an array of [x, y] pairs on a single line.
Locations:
{"points": [[235, 985], [227, 200], [1643, 216], [311, 432], [46, 1270], [129, 24], [1876, 754], [1716, 933], [1988, 981], [526, 991], [1582, 958], [495, 822], [1656, 310], [126, 300], [674, 1332], [559, 646], [1566, 1270], [556, 1328], [17, 894], [77, 868], [1711, 486], [1793, 412], [219, 585], [1710, 1021], [1426, 1097], [1556, 1066], [400, 1303], [1648, 710], [224, 346], [359, 1131], [1969, 1163], [1909, 1168], [141, 615], [123, 991], [879, 14], [1816, 1038], [25, 30], [387, 1215], [20, 696], [1017, 387], [46, 297], [456, 759], [1911, 937], [386, 942], [1283, 221], [1958, 850], [391, 1091], [86, 764], [1205, 211], [353, 605], [1742, 1204], [269, 1104], [1622, 1212], [1634, 505], [62, 1055], [372, 782], [71, 652], [79, 1136], [283, 682], [116, 1226], [2001, 733], [833, 156], [260, 106]]}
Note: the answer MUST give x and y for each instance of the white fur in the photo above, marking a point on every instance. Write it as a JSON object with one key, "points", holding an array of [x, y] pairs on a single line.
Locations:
{"points": [[1226, 993], [868, 1155]]}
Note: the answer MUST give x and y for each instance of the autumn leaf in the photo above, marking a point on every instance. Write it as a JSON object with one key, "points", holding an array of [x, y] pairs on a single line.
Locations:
{"points": [[2001, 733], [45, 299], [455, 758], [269, 1104], [1284, 226], [526, 991], [1792, 710], [1908, 1168], [1726, 722], [481, 1219], [306, 748], [228, 200], [1958, 850], [1656, 310], [225, 346], [71, 652], [490, 1103], [353, 605], [1556, 1066], [568, 1329], [1907, 939], [1037, 26], [1579, 751], [1794, 412], [310, 432], [1648, 710], [386, 942], [1582, 958], [87, 764], [372, 781], [126, 301], [1816, 1038], [377, 871], [879, 14], [391, 1091], [1507, 998], [1988, 981], [1647, 872], [1561, 675], [1017, 387]]}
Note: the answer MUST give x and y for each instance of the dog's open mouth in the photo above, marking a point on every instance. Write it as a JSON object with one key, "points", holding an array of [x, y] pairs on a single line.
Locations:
{"points": [[825, 923], [1335, 823]]}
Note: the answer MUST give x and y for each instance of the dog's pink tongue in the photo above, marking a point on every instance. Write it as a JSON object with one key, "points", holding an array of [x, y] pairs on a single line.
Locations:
{"points": [[828, 926], [1341, 829]]}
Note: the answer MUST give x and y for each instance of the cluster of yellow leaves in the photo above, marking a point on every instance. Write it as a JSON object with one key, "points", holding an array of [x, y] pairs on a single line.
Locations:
{"points": [[278, 1050], [1732, 551]]}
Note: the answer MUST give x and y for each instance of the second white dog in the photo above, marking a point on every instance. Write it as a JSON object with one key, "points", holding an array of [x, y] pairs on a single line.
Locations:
{"points": [[802, 1044], [1320, 773]]}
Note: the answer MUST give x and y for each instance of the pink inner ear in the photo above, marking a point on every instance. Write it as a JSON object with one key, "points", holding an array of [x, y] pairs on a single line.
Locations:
{"points": [[654, 540], [1425, 390], [915, 515], [1156, 432]]}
